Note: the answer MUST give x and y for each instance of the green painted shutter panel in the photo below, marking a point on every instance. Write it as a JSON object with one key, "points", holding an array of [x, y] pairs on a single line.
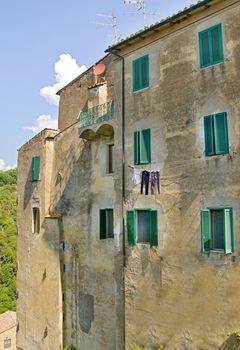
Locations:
{"points": [[220, 133], [102, 223], [204, 48], [228, 231], [154, 228], [131, 226], [136, 147], [145, 146], [145, 71], [136, 74], [36, 168], [208, 133], [206, 230], [216, 44]]}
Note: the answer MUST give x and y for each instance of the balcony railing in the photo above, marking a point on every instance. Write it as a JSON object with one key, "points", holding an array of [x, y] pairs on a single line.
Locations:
{"points": [[97, 114]]}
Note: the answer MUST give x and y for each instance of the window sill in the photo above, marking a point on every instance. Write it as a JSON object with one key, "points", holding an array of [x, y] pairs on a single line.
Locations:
{"points": [[212, 65], [140, 90]]}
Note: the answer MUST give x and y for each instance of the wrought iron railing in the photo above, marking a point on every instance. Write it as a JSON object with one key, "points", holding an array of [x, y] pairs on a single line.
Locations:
{"points": [[97, 114]]}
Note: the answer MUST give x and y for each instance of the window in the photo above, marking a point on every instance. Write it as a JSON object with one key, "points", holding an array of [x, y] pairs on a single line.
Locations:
{"points": [[110, 159], [35, 168], [142, 226], [217, 229], [142, 146], [140, 73], [106, 223], [211, 46], [216, 134], [7, 343], [36, 220]]}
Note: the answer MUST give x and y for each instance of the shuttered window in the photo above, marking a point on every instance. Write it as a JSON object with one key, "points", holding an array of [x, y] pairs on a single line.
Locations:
{"points": [[140, 73], [216, 134], [211, 46], [217, 229], [36, 220], [106, 223], [142, 226], [142, 146], [36, 168]]}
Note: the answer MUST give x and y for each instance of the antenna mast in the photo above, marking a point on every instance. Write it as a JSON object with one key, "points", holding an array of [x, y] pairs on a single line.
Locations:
{"points": [[141, 8], [112, 24]]}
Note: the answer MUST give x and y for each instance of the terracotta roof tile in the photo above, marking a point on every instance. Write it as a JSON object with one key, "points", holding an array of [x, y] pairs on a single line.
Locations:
{"points": [[7, 321]]}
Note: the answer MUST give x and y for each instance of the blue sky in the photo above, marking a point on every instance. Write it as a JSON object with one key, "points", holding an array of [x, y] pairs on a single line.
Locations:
{"points": [[33, 36]]}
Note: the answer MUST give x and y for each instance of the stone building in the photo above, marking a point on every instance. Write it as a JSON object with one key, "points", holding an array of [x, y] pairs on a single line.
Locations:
{"points": [[128, 216], [8, 330]]}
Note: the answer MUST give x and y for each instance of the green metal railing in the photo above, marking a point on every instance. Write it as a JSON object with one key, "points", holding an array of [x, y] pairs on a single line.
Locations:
{"points": [[97, 114]]}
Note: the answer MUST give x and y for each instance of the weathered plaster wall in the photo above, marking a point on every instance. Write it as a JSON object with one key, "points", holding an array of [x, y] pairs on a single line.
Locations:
{"points": [[176, 295], [38, 276]]}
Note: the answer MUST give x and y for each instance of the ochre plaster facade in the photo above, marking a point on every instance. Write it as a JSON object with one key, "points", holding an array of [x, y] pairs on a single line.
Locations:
{"points": [[105, 294]]}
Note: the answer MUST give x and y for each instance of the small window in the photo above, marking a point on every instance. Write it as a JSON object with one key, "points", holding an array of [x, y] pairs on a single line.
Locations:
{"points": [[106, 223], [140, 73], [7, 343], [217, 229], [142, 226], [36, 168], [142, 146], [211, 46], [110, 159], [36, 220], [216, 134]]}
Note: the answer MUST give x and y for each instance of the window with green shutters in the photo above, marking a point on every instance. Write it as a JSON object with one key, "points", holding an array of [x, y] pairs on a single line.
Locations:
{"points": [[217, 229], [142, 226], [216, 134], [142, 146], [140, 73], [211, 46], [106, 223], [35, 168]]}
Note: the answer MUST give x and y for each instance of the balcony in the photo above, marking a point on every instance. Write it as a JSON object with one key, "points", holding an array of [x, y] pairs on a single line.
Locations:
{"points": [[97, 114]]}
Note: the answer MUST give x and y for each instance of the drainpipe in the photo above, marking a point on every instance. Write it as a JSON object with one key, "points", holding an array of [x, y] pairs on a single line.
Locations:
{"points": [[123, 184]]}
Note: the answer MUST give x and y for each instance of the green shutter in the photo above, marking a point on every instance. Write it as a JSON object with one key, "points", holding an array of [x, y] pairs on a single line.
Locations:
{"points": [[204, 49], [131, 226], [136, 75], [136, 147], [206, 230], [228, 230], [145, 146], [220, 133], [144, 72], [154, 228], [208, 132], [216, 44], [36, 168], [102, 223]]}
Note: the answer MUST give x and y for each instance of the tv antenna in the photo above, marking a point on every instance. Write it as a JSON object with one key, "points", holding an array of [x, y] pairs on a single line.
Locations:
{"points": [[111, 22], [141, 9]]}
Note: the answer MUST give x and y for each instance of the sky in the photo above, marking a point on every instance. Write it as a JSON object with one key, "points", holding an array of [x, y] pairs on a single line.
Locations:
{"points": [[47, 43]]}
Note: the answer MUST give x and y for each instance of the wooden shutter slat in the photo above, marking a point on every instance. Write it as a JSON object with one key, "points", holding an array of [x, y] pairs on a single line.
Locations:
{"points": [[136, 147], [136, 78], [145, 146], [144, 71], [220, 133], [102, 223], [228, 231], [208, 133], [154, 228], [206, 230], [36, 168], [204, 48], [131, 227], [216, 44]]}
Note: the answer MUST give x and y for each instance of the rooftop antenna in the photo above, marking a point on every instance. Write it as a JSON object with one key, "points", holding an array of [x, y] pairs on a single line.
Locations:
{"points": [[141, 9], [112, 22]]}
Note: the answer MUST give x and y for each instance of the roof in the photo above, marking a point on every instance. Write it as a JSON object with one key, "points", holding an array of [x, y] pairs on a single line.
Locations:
{"points": [[8, 320], [154, 27]]}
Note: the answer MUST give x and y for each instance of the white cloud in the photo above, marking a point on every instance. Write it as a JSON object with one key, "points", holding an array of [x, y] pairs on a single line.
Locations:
{"points": [[3, 166], [66, 69], [43, 121]]}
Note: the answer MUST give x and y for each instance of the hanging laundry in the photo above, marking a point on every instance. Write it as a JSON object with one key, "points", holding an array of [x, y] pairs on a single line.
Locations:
{"points": [[137, 176], [155, 181], [145, 181]]}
